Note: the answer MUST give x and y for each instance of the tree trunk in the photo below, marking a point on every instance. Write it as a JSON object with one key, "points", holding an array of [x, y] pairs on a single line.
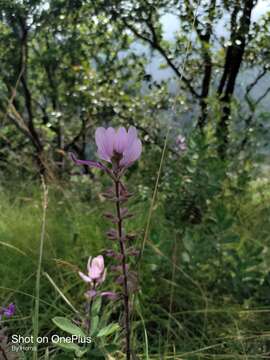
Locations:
{"points": [[234, 57], [207, 63], [34, 136]]}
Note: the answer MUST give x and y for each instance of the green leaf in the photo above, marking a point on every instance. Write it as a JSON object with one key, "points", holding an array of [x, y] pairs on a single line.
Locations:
{"points": [[185, 257], [100, 353], [80, 353], [67, 346], [96, 306], [108, 330], [47, 355], [68, 326], [227, 223], [111, 348], [188, 241], [94, 325], [96, 353], [231, 238]]}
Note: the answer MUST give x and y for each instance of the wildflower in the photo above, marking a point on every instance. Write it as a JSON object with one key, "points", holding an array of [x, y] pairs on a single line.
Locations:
{"points": [[96, 270], [96, 275], [7, 311], [10, 310], [119, 147], [181, 143]]}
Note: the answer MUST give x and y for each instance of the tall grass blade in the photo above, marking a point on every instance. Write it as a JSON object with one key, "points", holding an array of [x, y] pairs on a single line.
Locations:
{"points": [[41, 246]]}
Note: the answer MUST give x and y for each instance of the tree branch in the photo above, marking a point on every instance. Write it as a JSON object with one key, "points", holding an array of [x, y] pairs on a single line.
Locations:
{"points": [[254, 83], [156, 45]]}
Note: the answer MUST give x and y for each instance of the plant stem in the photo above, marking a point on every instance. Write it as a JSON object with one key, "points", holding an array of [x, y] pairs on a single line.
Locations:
{"points": [[41, 245], [90, 316], [173, 262], [153, 200], [124, 269], [89, 328], [3, 353]]}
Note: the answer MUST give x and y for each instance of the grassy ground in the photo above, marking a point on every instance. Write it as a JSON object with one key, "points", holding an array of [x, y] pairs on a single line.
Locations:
{"points": [[182, 311]]}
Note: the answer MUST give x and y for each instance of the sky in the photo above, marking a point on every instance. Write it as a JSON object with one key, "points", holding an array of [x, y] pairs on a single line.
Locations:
{"points": [[171, 24]]}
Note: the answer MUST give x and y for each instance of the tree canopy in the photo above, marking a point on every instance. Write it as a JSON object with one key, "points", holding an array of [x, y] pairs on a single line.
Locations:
{"points": [[68, 66]]}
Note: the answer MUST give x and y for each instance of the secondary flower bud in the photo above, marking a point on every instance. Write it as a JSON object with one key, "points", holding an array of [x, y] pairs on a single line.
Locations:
{"points": [[96, 270]]}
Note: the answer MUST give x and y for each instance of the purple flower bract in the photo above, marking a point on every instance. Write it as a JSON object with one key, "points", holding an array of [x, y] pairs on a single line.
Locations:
{"points": [[120, 144]]}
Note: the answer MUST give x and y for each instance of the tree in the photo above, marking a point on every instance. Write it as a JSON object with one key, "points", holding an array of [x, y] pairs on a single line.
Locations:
{"points": [[68, 66], [210, 51]]}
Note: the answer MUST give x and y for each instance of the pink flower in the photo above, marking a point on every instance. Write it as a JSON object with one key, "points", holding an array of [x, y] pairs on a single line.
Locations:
{"points": [[120, 147], [96, 270]]}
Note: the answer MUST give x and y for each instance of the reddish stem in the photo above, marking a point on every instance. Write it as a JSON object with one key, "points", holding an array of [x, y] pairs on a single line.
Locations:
{"points": [[124, 269]]}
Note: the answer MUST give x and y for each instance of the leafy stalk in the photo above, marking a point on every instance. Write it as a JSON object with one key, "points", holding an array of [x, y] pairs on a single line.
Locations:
{"points": [[124, 268]]}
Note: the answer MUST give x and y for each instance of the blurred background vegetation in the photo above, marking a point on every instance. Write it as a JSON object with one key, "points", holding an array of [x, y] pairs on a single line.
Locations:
{"points": [[198, 68]]}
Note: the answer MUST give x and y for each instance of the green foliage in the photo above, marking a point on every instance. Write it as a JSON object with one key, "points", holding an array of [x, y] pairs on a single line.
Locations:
{"points": [[68, 326], [221, 271], [71, 66], [108, 330]]}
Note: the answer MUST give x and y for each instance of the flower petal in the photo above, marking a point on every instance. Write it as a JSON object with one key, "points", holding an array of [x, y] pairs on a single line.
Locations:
{"points": [[109, 138], [101, 141], [89, 263], [85, 277], [99, 262], [100, 138], [10, 310], [132, 154], [131, 136], [103, 277], [105, 140], [120, 141], [97, 268], [103, 156]]}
